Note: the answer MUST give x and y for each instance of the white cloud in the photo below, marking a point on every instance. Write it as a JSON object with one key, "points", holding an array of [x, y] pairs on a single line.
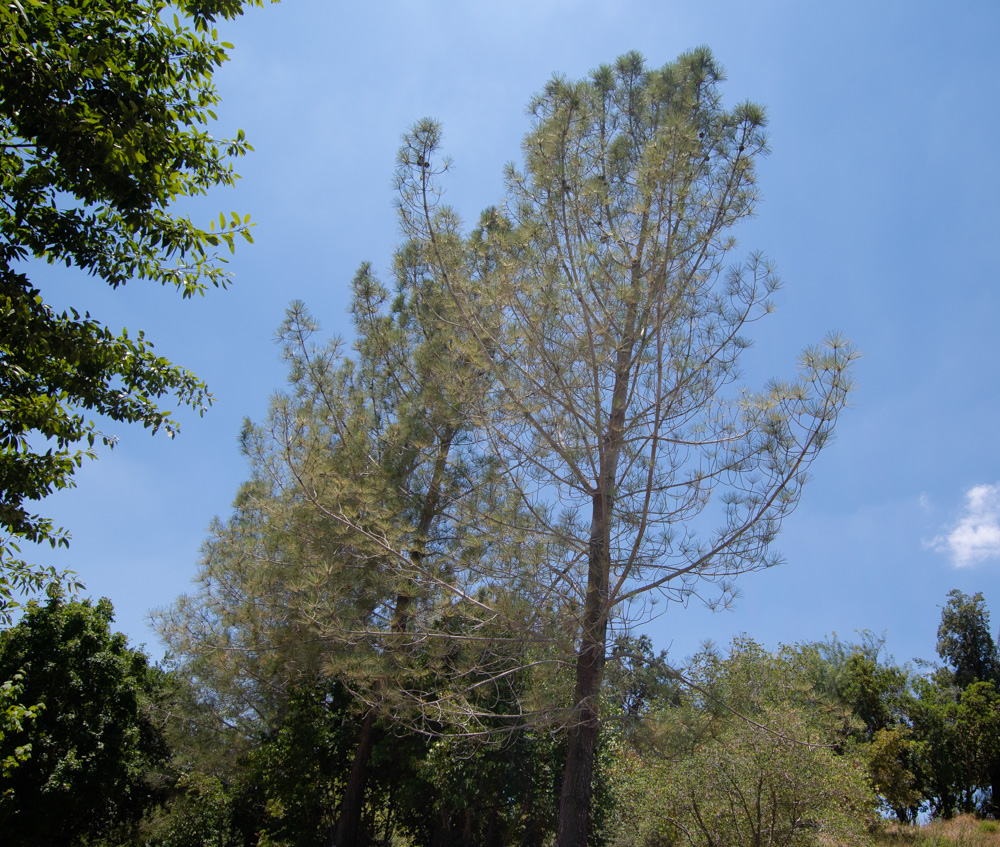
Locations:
{"points": [[976, 536]]}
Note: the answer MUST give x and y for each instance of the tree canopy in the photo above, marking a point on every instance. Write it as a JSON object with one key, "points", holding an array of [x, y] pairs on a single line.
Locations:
{"points": [[542, 428], [104, 109], [86, 749], [965, 642], [612, 326], [751, 754]]}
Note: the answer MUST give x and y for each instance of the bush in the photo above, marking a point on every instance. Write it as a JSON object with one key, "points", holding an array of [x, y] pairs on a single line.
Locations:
{"points": [[752, 757]]}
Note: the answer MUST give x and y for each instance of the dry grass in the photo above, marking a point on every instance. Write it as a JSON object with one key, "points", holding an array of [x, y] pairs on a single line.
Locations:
{"points": [[963, 831]]}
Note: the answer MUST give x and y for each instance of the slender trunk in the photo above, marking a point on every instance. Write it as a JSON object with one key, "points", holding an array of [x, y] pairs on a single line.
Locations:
{"points": [[577, 787], [469, 830], [442, 830], [352, 803], [494, 837], [532, 827], [994, 805]]}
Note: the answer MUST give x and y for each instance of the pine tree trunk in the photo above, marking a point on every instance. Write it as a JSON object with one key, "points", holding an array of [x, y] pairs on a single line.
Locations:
{"points": [[352, 803], [577, 788]]}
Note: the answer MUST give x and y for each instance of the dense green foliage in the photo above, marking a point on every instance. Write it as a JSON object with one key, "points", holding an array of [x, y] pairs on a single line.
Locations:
{"points": [[965, 642], [800, 746], [955, 715], [78, 765], [103, 115], [751, 754], [932, 741]]}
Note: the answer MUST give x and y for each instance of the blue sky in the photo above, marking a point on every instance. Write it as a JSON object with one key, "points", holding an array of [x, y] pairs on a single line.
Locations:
{"points": [[880, 210]]}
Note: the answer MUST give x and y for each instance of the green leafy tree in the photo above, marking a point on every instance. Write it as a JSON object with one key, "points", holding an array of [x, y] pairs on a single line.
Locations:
{"points": [[977, 731], [857, 675], [296, 775], [894, 759], [959, 740], [965, 642], [879, 695], [92, 741], [955, 714], [199, 813], [638, 683], [752, 754], [103, 113], [611, 327], [14, 717], [223, 788]]}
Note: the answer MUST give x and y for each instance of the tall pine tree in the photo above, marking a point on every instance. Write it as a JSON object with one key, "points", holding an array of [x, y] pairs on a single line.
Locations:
{"points": [[612, 326]]}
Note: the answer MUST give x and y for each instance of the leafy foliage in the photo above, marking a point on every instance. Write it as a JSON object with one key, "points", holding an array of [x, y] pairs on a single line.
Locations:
{"points": [[103, 110], [930, 740], [299, 768], [965, 641], [199, 813], [949, 742], [90, 741], [753, 755], [879, 695], [14, 718]]}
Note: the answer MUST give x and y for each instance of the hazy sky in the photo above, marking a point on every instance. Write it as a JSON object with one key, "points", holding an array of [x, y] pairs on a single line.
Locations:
{"points": [[880, 209]]}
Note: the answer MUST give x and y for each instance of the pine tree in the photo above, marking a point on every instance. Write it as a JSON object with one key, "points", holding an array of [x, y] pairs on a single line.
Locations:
{"points": [[343, 550], [612, 326]]}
